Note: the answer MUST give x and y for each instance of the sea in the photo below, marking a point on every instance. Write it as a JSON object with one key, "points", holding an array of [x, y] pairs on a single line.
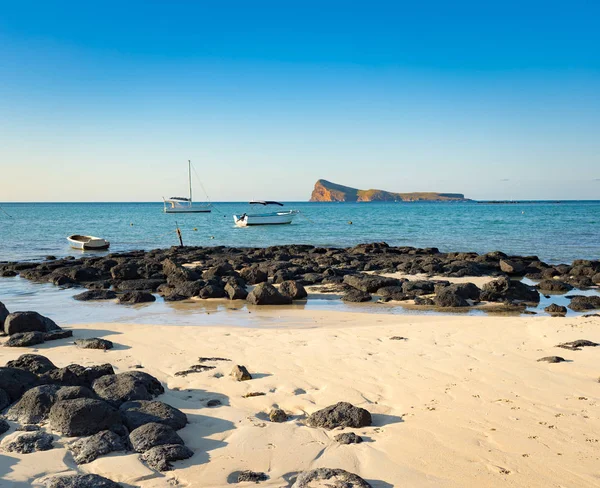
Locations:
{"points": [[556, 232]]}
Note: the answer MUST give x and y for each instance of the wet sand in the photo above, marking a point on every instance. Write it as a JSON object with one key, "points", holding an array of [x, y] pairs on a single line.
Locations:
{"points": [[461, 401]]}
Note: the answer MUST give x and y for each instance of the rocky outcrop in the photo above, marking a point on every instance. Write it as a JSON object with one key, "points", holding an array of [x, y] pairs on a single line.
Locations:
{"points": [[153, 434], [141, 412], [267, 294], [28, 322], [29, 442], [90, 448], [130, 385], [84, 416], [161, 457], [81, 481], [326, 191]]}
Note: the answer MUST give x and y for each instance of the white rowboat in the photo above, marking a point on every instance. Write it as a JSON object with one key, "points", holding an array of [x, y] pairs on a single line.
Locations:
{"points": [[87, 243]]}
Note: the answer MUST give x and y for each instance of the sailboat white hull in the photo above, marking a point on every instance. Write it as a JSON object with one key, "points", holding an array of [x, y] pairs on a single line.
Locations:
{"points": [[187, 209]]}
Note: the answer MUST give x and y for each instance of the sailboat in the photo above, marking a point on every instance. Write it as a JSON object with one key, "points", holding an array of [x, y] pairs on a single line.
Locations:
{"points": [[185, 204]]}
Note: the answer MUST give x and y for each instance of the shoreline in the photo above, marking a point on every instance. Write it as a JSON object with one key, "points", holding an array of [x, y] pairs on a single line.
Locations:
{"points": [[459, 401]]}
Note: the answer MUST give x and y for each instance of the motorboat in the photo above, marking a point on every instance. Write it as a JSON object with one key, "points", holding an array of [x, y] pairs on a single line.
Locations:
{"points": [[88, 243], [267, 218], [185, 204]]}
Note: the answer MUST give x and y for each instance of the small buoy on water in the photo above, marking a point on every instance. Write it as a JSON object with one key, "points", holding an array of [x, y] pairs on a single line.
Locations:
{"points": [[131, 224], [195, 229], [212, 237], [349, 222]]}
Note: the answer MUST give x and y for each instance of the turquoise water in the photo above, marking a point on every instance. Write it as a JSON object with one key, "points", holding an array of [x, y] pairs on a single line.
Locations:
{"points": [[555, 232]]}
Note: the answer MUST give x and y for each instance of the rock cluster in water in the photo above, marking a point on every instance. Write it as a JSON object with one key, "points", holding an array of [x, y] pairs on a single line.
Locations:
{"points": [[278, 275]]}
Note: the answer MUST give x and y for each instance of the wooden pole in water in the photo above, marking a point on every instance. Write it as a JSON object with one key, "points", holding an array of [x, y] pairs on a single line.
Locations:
{"points": [[179, 234]]}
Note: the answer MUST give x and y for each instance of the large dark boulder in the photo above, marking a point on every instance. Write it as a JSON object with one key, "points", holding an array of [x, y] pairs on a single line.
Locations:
{"points": [[3, 314], [342, 414], [34, 363], [127, 386], [4, 400], [81, 481], [84, 416], [320, 477], [393, 293], [141, 412], [133, 297], [25, 339], [356, 296], [581, 303], [29, 442], [415, 288], [34, 406], [76, 375], [153, 434], [96, 295], [293, 289], [90, 448], [212, 290], [28, 322], [449, 298], [553, 286], [512, 267], [369, 283], [161, 457], [235, 291], [253, 276], [267, 294], [177, 274], [505, 289], [15, 382], [125, 271]]}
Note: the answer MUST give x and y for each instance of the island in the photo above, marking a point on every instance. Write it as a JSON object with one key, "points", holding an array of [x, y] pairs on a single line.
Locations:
{"points": [[326, 191]]}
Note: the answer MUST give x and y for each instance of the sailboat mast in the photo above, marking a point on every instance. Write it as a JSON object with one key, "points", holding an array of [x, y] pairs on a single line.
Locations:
{"points": [[190, 178]]}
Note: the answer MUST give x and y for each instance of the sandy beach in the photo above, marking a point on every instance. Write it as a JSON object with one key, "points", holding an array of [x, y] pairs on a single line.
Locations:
{"points": [[456, 401]]}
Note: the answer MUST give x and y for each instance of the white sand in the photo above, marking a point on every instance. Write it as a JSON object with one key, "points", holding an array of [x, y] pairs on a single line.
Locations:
{"points": [[462, 402]]}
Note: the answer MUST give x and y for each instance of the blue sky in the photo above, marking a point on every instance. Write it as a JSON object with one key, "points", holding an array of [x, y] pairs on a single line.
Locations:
{"points": [[107, 100]]}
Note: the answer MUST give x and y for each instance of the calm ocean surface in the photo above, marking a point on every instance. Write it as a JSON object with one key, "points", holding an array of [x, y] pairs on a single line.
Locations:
{"points": [[555, 232]]}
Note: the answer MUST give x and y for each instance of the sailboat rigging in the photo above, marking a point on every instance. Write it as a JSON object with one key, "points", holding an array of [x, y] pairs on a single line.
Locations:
{"points": [[185, 204]]}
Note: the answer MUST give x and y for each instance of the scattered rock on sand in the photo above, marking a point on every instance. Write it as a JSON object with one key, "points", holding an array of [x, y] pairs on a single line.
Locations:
{"points": [[213, 403], [35, 363], [151, 435], [25, 339], [90, 448], [81, 481], [251, 477], [240, 373], [96, 295], [28, 322], [94, 343], [278, 415], [342, 414], [552, 359], [141, 412], [83, 416], [320, 477], [504, 289], [133, 297], [348, 438], [161, 457], [235, 291], [577, 345], [267, 294], [556, 310], [449, 297], [553, 286], [29, 442], [127, 386]]}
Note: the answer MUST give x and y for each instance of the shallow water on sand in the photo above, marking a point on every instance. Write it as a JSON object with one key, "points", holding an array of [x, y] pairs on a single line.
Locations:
{"points": [[57, 303], [555, 232]]}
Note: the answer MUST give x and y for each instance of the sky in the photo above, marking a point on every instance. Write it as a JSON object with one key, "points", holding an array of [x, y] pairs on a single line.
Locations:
{"points": [[106, 101]]}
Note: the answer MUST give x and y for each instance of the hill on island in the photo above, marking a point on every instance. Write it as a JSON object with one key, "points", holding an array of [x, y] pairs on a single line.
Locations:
{"points": [[326, 191]]}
